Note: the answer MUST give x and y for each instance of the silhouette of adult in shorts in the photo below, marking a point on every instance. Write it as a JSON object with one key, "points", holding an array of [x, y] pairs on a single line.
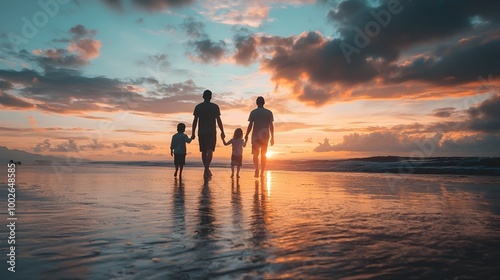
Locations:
{"points": [[261, 120], [206, 114]]}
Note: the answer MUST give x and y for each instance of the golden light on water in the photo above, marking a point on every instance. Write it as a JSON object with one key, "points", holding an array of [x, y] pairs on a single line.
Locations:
{"points": [[268, 177]]}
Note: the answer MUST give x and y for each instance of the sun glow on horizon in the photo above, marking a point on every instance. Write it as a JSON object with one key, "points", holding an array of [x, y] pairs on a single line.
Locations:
{"points": [[269, 154]]}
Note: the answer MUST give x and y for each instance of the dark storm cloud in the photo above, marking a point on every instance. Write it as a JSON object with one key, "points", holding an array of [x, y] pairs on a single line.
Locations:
{"points": [[454, 65], [486, 116], [409, 22], [456, 40], [207, 50], [13, 102], [4, 85]]}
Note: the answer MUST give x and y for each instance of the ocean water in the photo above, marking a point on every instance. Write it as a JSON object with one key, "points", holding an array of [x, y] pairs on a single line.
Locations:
{"points": [[486, 166], [105, 221]]}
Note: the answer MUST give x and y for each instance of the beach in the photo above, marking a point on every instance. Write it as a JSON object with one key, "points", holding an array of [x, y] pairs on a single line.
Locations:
{"points": [[105, 221]]}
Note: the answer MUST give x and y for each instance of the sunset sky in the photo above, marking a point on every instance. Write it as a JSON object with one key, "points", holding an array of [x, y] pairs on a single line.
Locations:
{"points": [[110, 80]]}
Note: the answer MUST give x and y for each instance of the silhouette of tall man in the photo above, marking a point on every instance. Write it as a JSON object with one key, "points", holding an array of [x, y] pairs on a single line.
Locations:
{"points": [[207, 114], [261, 120]]}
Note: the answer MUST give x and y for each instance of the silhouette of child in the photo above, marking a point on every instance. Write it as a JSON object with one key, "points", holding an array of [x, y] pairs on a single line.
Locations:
{"points": [[178, 148], [237, 155]]}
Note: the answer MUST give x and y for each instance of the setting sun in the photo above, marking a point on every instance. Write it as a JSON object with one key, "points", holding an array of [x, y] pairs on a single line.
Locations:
{"points": [[269, 154]]}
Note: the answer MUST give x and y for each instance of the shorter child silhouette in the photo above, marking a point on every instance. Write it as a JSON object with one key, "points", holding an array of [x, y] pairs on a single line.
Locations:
{"points": [[178, 148], [237, 155]]}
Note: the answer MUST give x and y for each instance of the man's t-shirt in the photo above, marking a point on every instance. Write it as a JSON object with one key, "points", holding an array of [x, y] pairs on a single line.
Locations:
{"points": [[262, 119], [207, 114]]}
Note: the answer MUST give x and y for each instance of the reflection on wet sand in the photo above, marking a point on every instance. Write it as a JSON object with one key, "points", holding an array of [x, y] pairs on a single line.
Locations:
{"points": [[236, 206], [179, 209], [287, 225], [205, 212]]}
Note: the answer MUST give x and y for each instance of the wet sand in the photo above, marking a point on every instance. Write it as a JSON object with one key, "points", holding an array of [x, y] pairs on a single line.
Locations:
{"points": [[116, 222]]}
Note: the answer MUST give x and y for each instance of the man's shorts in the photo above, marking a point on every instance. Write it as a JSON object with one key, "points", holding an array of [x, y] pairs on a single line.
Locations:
{"points": [[179, 159], [258, 144], [236, 160], [207, 141]]}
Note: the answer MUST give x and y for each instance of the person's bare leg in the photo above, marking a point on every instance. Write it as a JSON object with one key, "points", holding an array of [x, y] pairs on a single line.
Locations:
{"points": [[256, 164], [263, 162], [208, 161], [176, 169], [232, 171], [204, 158], [180, 171], [238, 171]]}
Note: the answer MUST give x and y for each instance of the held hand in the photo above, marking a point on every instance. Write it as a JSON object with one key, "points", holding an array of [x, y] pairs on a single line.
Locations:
{"points": [[222, 135], [272, 141], [193, 137], [171, 153]]}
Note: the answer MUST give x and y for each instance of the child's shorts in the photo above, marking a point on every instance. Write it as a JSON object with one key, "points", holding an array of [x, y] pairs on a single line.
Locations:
{"points": [[179, 159], [236, 160]]}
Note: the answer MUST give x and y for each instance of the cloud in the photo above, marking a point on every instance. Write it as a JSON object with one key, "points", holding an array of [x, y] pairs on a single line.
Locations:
{"points": [[94, 145], [380, 142], [443, 112], [194, 28], [159, 5], [207, 51], [202, 48], [67, 91], [453, 65], [81, 49], [32, 121], [67, 146], [4, 85], [156, 65], [114, 4], [391, 143], [70, 145], [238, 12], [486, 116], [473, 145], [144, 147], [13, 102], [442, 50], [246, 49]]}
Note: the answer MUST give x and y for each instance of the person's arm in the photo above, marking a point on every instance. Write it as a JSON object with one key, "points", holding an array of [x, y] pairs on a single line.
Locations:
{"points": [[221, 127], [249, 129], [226, 143], [195, 123], [171, 148], [244, 143], [271, 128], [188, 140]]}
